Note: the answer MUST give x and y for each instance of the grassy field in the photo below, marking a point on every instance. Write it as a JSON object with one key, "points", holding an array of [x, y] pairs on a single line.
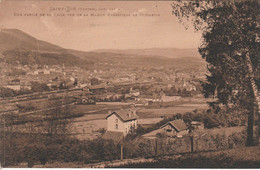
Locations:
{"points": [[169, 109], [246, 157], [92, 117], [224, 130], [148, 121], [87, 129], [97, 109]]}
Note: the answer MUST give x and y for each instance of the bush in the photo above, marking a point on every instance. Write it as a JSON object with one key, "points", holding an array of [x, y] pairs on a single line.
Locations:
{"points": [[188, 117], [39, 87], [238, 139], [160, 135], [211, 121], [6, 92], [145, 149]]}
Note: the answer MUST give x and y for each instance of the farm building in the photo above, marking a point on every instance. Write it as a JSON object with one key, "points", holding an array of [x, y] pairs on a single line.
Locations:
{"points": [[101, 88], [14, 84], [175, 128], [121, 121]]}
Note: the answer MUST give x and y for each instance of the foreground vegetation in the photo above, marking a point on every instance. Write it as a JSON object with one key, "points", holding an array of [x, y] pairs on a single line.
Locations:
{"points": [[211, 118], [41, 150], [35, 149], [48, 139], [232, 158]]}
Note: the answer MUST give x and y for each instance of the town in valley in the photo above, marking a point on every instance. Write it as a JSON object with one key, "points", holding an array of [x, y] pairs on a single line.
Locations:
{"points": [[128, 92]]}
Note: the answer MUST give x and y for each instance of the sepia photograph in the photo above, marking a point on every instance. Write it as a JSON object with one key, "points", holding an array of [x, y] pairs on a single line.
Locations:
{"points": [[129, 84]]}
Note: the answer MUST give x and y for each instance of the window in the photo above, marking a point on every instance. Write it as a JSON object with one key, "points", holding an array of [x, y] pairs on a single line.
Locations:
{"points": [[168, 130], [116, 126]]}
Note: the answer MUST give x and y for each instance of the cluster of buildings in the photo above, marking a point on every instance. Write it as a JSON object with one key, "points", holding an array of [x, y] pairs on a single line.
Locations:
{"points": [[17, 85], [122, 122], [52, 76], [56, 75]]}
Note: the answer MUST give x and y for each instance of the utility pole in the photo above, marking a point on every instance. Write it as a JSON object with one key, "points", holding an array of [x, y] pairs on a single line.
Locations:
{"points": [[4, 144], [156, 147], [122, 154], [191, 144]]}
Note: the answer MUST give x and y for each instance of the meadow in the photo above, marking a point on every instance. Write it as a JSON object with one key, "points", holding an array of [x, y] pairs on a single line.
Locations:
{"points": [[89, 121]]}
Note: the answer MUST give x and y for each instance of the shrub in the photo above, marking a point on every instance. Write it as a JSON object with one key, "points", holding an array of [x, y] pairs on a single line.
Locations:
{"points": [[6, 92], [160, 135], [145, 149], [211, 121], [188, 117]]}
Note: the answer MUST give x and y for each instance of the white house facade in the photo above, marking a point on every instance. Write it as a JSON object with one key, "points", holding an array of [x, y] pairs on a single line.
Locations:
{"points": [[121, 121]]}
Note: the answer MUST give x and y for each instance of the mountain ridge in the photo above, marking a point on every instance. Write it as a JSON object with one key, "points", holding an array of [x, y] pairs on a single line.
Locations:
{"points": [[19, 46], [156, 51], [16, 39]]}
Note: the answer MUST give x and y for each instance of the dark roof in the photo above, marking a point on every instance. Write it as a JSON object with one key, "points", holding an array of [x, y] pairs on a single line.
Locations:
{"points": [[124, 115], [116, 136], [178, 124]]}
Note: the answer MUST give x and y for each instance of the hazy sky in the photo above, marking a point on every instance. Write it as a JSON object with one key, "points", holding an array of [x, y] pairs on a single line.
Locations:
{"points": [[99, 32]]}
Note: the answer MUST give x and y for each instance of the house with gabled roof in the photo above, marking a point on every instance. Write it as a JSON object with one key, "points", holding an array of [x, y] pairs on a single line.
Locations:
{"points": [[175, 128], [121, 121]]}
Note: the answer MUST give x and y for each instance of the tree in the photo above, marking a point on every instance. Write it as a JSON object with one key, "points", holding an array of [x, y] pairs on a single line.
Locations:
{"points": [[6, 92], [94, 81], [211, 121], [62, 85], [56, 119], [173, 91], [230, 31], [39, 87], [76, 82]]}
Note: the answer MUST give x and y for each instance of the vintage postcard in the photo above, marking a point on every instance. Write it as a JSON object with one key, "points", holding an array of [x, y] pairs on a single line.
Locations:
{"points": [[129, 84]]}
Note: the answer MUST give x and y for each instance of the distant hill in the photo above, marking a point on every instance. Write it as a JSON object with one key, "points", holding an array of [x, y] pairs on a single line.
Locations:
{"points": [[15, 39], [19, 47], [163, 52], [177, 58]]}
